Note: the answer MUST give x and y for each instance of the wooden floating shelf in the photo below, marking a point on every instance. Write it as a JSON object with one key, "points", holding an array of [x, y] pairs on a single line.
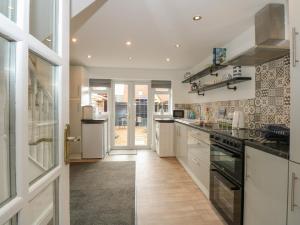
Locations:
{"points": [[224, 83], [207, 71]]}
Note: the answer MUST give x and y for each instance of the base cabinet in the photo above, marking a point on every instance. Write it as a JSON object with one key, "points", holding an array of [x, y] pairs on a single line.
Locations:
{"points": [[265, 197], [180, 143], [199, 158], [294, 194], [164, 142], [192, 148]]}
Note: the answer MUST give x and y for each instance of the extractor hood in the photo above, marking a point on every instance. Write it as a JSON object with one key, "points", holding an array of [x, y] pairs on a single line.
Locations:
{"points": [[269, 38]]}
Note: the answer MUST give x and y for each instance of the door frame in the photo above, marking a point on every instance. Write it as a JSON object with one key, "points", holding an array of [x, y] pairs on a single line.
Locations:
{"points": [[18, 32], [132, 110]]}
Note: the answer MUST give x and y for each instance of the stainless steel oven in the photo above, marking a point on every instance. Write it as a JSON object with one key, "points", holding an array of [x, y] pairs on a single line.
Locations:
{"points": [[227, 176], [230, 162], [226, 196]]}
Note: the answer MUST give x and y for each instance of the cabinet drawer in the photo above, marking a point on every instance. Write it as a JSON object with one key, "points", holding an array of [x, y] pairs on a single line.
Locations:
{"points": [[199, 169], [202, 154], [201, 136]]}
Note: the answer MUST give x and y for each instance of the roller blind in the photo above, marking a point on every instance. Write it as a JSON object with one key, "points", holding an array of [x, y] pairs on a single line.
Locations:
{"points": [[161, 84], [100, 83]]}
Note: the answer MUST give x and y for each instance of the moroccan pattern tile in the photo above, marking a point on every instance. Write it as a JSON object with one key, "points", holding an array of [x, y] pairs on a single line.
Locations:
{"points": [[272, 97]]}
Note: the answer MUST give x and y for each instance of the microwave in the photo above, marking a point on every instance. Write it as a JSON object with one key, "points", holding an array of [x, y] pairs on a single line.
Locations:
{"points": [[178, 113]]}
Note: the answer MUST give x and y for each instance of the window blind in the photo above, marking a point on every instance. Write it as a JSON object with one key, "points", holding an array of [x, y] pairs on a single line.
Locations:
{"points": [[161, 84], [100, 83]]}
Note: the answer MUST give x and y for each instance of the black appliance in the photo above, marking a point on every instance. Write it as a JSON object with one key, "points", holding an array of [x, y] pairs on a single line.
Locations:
{"points": [[227, 174], [227, 166], [178, 113]]}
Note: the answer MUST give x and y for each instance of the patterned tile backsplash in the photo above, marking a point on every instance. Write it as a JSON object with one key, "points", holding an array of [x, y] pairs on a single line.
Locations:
{"points": [[272, 101]]}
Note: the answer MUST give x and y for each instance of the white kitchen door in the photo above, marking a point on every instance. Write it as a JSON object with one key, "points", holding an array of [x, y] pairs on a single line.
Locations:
{"points": [[34, 84]]}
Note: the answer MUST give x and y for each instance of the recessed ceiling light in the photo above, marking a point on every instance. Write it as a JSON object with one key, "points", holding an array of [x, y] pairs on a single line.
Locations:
{"points": [[177, 45], [130, 58], [128, 43], [168, 59], [195, 18], [48, 39], [74, 40], [89, 56]]}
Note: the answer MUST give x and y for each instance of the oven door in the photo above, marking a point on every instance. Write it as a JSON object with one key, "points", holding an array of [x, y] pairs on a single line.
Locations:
{"points": [[228, 161], [226, 197]]}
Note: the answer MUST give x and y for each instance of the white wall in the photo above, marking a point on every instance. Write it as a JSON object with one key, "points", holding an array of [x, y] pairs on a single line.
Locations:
{"points": [[180, 94], [245, 90]]}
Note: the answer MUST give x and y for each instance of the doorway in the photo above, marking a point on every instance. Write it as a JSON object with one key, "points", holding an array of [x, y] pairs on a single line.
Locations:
{"points": [[131, 115]]}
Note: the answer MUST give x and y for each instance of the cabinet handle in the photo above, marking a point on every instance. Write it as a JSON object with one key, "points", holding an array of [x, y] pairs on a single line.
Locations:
{"points": [[246, 166], [293, 205], [294, 47], [78, 90]]}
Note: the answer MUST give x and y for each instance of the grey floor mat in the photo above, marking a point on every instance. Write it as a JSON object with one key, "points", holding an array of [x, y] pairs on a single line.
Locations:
{"points": [[103, 193]]}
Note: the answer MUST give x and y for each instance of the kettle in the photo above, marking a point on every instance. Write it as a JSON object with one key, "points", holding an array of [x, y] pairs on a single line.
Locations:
{"points": [[238, 120]]}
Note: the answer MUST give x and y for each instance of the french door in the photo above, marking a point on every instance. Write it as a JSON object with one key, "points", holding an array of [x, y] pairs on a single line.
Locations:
{"points": [[34, 78], [131, 125]]}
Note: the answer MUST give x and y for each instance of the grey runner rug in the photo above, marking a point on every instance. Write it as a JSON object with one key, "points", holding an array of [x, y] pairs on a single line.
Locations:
{"points": [[102, 193]]}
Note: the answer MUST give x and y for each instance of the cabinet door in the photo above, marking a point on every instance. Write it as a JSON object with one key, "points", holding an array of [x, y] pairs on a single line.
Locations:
{"points": [[294, 194], [295, 79], [183, 143], [177, 141], [75, 82], [75, 125], [266, 178]]}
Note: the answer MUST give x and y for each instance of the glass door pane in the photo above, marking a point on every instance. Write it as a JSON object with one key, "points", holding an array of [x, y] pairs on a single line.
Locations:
{"points": [[43, 21], [7, 118], [8, 8], [141, 115], [43, 117], [121, 115]]}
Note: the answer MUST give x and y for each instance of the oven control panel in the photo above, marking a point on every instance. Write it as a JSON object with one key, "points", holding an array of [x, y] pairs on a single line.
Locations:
{"points": [[227, 141]]}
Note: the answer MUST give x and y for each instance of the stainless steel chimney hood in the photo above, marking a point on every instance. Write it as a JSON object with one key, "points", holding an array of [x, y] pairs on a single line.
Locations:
{"points": [[269, 38]]}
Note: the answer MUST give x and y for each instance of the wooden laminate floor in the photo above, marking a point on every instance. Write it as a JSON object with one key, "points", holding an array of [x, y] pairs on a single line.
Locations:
{"points": [[166, 195]]}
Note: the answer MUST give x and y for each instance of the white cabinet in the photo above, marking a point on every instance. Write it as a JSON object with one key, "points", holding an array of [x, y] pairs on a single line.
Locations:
{"points": [[192, 148], [294, 6], [181, 143], [94, 142], [199, 158], [164, 132], [294, 165], [79, 96], [79, 83], [266, 178], [294, 194], [75, 127]]}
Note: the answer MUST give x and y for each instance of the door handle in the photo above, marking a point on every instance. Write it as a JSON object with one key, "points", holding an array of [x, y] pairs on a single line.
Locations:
{"points": [[67, 141], [294, 47], [293, 205]]}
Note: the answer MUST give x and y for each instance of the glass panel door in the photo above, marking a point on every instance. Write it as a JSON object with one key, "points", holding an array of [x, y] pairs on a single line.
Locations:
{"points": [[43, 119], [34, 74], [141, 130], [7, 118], [121, 111], [131, 113]]}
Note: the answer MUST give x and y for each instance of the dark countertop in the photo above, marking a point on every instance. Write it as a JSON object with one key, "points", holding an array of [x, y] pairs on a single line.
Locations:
{"points": [[277, 149], [190, 124], [164, 120], [94, 121]]}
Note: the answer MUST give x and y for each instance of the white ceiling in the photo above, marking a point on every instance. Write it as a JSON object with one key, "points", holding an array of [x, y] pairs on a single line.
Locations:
{"points": [[154, 27]]}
